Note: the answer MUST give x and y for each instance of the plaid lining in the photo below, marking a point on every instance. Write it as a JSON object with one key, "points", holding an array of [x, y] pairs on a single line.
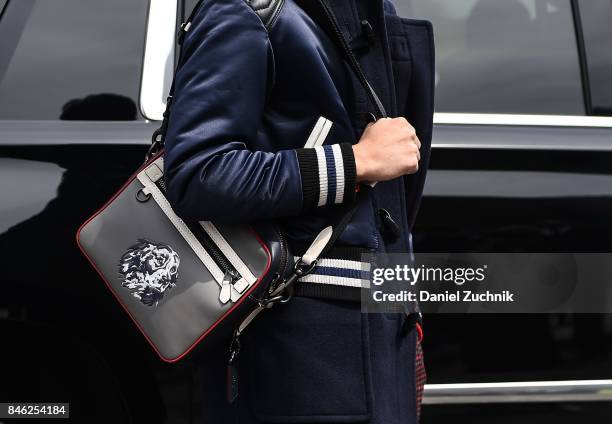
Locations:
{"points": [[420, 373]]}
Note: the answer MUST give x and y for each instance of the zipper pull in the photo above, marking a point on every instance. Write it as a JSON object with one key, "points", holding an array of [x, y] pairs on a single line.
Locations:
{"points": [[226, 286], [239, 286]]}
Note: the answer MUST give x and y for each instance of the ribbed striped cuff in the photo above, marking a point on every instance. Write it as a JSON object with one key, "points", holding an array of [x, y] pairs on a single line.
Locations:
{"points": [[328, 174]]}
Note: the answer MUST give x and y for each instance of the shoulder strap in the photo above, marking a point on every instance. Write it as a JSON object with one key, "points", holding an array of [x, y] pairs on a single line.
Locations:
{"points": [[321, 12]]}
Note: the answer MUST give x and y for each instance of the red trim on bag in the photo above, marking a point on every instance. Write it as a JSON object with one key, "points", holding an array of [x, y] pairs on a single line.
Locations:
{"points": [[420, 377], [203, 335], [419, 332]]}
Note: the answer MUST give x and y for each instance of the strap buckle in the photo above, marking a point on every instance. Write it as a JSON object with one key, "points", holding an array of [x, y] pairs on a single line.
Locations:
{"points": [[284, 292], [182, 31], [302, 270], [157, 139], [285, 296]]}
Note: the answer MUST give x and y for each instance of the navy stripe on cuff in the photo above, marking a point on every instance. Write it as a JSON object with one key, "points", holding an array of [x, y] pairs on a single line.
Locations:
{"points": [[328, 174]]}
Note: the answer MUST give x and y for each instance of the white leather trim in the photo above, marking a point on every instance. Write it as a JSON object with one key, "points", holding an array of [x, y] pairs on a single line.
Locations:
{"points": [[182, 228], [322, 163], [317, 245], [319, 132], [235, 294], [314, 134], [154, 172], [324, 132], [228, 251], [339, 164], [333, 280]]}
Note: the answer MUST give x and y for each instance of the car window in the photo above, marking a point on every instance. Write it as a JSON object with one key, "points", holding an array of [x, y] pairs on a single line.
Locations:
{"points": [[71, 59], [188, 7], [597, 29], [503, 56]]}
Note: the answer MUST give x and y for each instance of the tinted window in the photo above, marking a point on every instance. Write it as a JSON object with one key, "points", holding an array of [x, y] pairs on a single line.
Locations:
{"points": [[74, 59], [503, 56], [188, 7], [597, 29]]}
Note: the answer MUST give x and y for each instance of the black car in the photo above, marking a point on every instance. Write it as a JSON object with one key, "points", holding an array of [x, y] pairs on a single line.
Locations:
{"points": [[522, 162]]}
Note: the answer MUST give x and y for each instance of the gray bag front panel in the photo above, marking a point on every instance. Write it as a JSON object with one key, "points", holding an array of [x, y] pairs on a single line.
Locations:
{"points": [[246, 245], [175, 321]]}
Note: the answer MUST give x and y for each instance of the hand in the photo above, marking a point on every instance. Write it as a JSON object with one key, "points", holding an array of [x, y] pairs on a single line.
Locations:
{"points": [[388, 148]]}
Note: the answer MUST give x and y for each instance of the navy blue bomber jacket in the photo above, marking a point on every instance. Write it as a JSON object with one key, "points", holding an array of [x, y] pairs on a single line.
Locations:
{"points": [[248, 95]]}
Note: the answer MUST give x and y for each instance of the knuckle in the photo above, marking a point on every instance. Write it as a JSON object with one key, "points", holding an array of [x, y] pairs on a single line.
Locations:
{"points": [[400, 121]]}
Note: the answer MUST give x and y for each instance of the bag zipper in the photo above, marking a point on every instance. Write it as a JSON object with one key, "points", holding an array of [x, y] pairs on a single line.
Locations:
{"points": [[230, 275], [232, 279], [278, 278]]}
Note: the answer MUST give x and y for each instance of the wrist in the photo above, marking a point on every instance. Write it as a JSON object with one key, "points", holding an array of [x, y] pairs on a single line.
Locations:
{"points": [[361, 164]]}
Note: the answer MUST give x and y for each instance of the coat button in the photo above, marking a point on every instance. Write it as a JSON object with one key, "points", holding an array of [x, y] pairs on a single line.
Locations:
{"points": [[368, 32]]}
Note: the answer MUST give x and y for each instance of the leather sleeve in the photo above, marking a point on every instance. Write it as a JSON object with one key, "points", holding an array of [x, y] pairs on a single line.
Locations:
{"points": [[220, 95]]}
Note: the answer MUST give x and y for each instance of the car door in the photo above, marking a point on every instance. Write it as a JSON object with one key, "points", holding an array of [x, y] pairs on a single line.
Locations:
{"points": [[522, 162], [71, 132]]}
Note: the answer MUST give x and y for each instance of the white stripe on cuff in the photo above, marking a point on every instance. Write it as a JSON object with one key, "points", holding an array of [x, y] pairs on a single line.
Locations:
{"points": [[339, 164], [322, 163]]}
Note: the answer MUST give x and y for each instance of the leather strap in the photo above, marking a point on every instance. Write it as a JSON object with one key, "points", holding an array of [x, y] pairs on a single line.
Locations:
{"points": [[321, 12]]}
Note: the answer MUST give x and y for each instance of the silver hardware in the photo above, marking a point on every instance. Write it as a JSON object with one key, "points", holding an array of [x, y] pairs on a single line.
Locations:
{"points": [[141, 196], [226, 286]]}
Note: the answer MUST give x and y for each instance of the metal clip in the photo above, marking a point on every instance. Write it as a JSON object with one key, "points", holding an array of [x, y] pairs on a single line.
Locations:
{"points": [[302, 271], [182, 31], [226, 286], [143, 195]]}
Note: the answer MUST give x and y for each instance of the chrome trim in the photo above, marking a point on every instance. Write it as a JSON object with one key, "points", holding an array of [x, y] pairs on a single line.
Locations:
{"points": [[524, 145], [522, 138], [516, 184], [518, 392], [524, 120], [158, 62], [51, 133]]}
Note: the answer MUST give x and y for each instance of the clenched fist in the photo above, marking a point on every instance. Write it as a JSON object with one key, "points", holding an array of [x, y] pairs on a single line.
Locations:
{"points": [[388, 148]]}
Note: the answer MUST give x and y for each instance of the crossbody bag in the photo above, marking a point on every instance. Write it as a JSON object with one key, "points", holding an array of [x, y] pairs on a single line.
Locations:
{"points": [[183, 283]]}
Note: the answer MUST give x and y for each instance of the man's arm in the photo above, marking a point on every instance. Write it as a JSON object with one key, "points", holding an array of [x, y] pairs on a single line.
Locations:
{"points": [[220, 96]]}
